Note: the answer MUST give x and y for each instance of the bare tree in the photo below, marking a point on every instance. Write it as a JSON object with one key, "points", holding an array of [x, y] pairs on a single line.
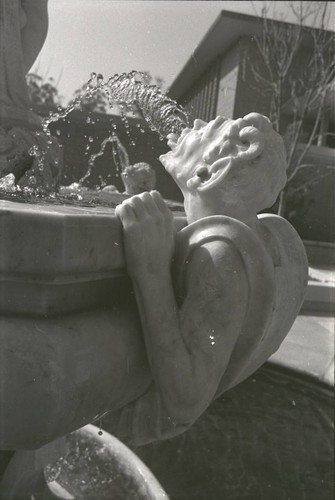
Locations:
{"points": [[296, 97]]}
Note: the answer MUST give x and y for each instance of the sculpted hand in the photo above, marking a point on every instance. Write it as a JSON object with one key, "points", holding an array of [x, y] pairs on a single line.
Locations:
{"points": [[148, 234]]}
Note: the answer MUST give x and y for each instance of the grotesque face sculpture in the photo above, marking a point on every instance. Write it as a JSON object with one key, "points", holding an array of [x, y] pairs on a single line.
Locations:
{"points": [[244, 159], [138, 178]]}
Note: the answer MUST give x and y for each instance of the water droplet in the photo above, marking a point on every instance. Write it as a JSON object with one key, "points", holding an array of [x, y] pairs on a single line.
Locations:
{"points": [[133, 97]]}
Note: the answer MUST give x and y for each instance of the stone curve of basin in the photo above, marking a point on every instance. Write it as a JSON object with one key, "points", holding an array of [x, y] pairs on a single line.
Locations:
{"points": [[64, 369]]}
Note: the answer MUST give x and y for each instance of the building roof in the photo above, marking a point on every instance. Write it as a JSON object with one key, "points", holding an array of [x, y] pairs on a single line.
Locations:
{"points": [[224, 33]]}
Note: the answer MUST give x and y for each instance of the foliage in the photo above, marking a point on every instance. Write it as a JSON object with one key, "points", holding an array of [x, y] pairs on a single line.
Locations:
{"points": [[42, 92], [299, 100], [93, 102]]}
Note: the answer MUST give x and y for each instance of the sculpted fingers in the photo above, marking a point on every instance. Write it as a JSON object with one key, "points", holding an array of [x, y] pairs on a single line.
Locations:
{"points": [[150, 208], [141, 204], [149, 202], [140, 213], [126, 215], [139, 208], [148, 234], [162, 206], [157, 197]]}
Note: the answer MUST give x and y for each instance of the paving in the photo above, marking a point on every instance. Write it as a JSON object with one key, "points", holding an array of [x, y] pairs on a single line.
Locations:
{"points": [[272, 435], [269, 438], [309, 347]]}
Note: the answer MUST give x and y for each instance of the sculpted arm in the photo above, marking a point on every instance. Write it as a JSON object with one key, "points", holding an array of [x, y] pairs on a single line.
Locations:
{"points": [[188, 345]]}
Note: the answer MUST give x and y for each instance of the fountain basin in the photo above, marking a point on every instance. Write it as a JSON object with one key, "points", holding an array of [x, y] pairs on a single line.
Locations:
{"points": [[84, 465], [71, 340], [56, 258]]}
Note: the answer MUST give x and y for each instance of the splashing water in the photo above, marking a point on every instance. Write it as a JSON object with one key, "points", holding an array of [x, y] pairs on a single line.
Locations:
{"points": [[162, 113], [120, 155]]}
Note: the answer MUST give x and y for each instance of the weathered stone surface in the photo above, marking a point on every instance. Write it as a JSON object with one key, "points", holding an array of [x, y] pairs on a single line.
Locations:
{"points": [[25, 151]]}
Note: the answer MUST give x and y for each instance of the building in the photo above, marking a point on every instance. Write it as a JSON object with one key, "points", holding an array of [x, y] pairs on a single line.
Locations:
{"points": [[220, 79]]}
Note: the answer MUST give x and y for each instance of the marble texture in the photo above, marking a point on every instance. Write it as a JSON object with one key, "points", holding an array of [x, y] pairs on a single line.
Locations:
{"points": [[238, 278], [23, 144]]}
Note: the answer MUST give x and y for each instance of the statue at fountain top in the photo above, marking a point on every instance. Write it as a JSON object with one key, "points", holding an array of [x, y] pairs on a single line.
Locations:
{"points": [[23, 28], [24, 25], [217, 299]]}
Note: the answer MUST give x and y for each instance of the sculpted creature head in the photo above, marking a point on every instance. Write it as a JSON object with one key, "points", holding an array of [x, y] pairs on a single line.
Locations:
{"points": [[138, 178], [242, 160]]}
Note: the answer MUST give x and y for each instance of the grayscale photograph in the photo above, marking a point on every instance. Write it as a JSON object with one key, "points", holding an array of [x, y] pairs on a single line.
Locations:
{"points": [[167, 250]]}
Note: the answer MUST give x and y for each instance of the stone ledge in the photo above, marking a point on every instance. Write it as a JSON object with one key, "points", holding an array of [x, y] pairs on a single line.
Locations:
{"points": [[319, 252], [308, 348], [320, 297]]}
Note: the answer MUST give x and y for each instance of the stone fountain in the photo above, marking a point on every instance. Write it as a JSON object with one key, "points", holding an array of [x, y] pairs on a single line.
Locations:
{"points": [[66, 300], [69, 278], [81, 330], [38, 282]]}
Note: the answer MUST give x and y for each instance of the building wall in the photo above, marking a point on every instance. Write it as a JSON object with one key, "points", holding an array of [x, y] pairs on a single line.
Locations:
{"points": [[249, 97], [201, 99], [311, 210], [317, 223], [228, 82]]}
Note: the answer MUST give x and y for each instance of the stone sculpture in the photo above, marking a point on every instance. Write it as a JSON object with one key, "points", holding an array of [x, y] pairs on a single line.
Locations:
{"points": [[23, 144], [237, 282], [213, 301], [138, 178]]}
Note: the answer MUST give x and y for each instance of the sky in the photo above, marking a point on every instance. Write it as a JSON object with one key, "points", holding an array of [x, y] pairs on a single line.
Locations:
{"points": [[114, 36]]}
